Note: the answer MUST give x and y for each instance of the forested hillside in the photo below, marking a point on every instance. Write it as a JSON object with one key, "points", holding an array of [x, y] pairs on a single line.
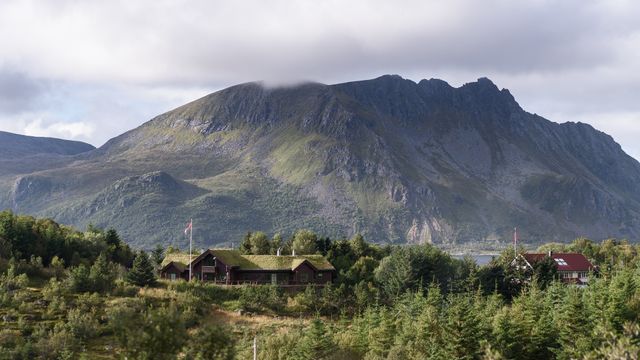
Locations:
{"points": [[66, 294]]}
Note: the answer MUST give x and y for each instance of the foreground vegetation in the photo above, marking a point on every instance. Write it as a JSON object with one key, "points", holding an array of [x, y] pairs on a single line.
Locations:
{"points": [[66, 294]]}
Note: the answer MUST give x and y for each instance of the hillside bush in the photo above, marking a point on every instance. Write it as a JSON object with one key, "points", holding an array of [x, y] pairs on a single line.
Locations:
{"points": [[211, 342], [261, 297], [100, 277], [211, 293], [147, 332]]}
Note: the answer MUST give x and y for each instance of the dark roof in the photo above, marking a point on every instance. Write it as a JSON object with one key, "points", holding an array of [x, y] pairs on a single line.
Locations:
{"points": [[564, 261], [234, 258]]}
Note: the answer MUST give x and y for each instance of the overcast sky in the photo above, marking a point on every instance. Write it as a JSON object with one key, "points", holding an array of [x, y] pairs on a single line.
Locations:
{"points": [[90, 70]]}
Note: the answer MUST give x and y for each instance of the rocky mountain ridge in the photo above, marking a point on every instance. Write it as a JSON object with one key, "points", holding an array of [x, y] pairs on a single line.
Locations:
{"points": [[396, 160]]}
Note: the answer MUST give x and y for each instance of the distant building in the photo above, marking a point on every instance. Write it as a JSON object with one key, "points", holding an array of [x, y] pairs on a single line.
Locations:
{"points": [[573, 268], [229, 267]]}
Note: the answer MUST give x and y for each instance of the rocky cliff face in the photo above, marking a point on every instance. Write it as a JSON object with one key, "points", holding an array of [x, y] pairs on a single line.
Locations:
{"points": [[396, 160]]}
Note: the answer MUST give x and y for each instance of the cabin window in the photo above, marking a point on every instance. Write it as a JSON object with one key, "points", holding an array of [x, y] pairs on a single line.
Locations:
{"points": [[209, 261], [172, 276], [320, 275], [274, 278], [304, 277]]}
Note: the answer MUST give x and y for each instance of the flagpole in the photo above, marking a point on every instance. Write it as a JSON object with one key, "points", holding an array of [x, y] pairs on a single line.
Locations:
{"points": [[515, 241], [255, 348], [190, 242]]}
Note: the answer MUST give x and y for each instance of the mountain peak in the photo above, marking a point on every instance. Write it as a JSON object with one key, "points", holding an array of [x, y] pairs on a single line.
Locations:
{"points": [[485, 81], [486, 93]]}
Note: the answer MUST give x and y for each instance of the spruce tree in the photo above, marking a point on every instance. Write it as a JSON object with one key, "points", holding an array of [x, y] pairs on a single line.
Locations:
{"points": [[157, 255], [102, 274], [141, 274], [245, 244], [462, 327], [316, 344], [381, 337]]}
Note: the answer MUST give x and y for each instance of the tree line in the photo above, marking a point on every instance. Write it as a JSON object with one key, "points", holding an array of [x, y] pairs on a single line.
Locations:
{"points": [[388, 302]]}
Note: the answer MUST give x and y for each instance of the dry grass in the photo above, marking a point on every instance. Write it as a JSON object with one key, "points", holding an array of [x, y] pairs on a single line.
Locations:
{"points": [[233, 319]]}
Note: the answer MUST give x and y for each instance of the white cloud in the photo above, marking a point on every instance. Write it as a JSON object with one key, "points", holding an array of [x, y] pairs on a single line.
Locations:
{"points": [[65, 130], [114, 64]]}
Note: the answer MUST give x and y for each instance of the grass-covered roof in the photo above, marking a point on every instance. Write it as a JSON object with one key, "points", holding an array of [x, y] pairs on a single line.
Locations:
{"points": [[178, 258], [255, 262]]}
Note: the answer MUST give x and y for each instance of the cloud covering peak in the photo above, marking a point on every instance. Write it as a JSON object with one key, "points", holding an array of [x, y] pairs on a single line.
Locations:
{"points": [[110, 65]]}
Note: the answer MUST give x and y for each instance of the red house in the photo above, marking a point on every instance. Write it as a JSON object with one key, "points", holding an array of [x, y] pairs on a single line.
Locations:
{"points": [[573, 268], [229, 267]]}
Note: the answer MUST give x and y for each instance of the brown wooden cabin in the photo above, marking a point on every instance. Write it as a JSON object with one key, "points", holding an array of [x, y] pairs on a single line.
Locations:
{"points": [[224, 266]]}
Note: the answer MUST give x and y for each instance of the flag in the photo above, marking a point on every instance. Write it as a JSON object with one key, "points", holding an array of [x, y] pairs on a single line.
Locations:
{"points": [[189, 227]]}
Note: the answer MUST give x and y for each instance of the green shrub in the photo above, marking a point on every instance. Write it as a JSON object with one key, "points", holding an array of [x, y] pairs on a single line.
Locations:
{"points": [[208, 292], [144, 332], [54, 288], [10, 339], [261, 297], [191, 307], [99, 278], [306, 301], [124, 289], [52, 344], [57, 305], [211, 342], [281, 345], [12, 281], [83, 325], [93, 303], [79, 279]]}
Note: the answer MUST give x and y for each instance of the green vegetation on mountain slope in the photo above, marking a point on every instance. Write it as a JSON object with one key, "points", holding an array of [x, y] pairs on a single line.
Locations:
{"points": [[395, 160], [65, 294]]}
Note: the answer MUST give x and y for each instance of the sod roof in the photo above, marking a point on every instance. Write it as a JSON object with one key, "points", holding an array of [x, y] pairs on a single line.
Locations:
{"points": [[255, 262], [178, 258]]}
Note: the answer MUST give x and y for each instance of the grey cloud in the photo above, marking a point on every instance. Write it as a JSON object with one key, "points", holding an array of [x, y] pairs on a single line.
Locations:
{"points": [[160, 43], [18, 92]]}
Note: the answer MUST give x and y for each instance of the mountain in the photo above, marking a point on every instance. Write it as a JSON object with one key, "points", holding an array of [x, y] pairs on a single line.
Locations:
{"points": [[13, 145], [20, 154], [396, 160]]}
